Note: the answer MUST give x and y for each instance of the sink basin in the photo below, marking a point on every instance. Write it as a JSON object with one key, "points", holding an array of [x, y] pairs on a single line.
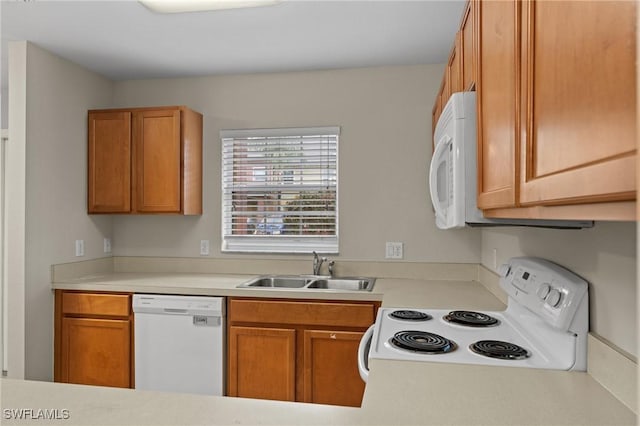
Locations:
{"points": [[278, 282], [349, 284], [310, 282]]}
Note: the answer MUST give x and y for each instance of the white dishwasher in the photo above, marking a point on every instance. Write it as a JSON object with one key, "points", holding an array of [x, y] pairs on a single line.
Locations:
{"points": [[179, 343]]}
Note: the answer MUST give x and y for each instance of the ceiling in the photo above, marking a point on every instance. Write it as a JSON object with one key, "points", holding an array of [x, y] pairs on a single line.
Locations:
{"points": [[125, 40]]}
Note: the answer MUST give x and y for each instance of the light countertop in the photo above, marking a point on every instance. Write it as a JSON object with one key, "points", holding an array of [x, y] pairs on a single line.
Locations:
{"points": [[392, 292], [398, 392]]}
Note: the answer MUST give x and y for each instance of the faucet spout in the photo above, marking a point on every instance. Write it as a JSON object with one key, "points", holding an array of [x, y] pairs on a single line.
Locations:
{"points": [[317, 263]]}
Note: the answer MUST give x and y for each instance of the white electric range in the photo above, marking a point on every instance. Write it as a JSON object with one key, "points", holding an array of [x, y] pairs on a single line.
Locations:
{"points": [[545, 325]]}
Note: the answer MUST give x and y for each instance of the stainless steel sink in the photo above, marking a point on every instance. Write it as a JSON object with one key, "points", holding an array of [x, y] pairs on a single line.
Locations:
{"points": [[278, 282], [348, 284], [310, 282]]}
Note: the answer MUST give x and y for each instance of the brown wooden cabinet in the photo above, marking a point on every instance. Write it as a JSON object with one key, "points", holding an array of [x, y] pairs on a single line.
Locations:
{"points": [[497, 101], [454, 69], [145, 160], [557, 109], [467, 44], [93, 339], [578, 108], [296, 350], [109, 162], [460, 70], [262, 363], [327, 378], [556, 98]]}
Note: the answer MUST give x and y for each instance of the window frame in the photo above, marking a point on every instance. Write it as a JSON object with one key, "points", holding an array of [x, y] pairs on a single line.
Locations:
{"points": [[278, 243]]}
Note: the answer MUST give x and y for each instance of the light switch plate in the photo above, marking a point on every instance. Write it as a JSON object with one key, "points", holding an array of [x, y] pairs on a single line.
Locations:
{"points": [[394, 250], [79, 248], [204, 247], [107, 245]]}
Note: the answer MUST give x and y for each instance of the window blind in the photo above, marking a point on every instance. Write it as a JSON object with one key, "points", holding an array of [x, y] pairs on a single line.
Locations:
{"points": [[279, 190]]}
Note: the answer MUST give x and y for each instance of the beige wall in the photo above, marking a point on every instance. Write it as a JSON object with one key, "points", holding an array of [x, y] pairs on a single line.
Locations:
{"points": [[58, 96], [385, 145], [604, 255], [15, 184]]}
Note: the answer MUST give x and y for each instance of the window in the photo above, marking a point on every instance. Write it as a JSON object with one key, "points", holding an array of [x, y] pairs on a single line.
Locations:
{"points": [[279, 190]]}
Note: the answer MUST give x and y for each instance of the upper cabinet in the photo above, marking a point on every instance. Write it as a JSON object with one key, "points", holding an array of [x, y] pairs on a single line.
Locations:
{"points": [[460, 73], [467, 41], [556, 109], [109, 188], [145, 160], [578, 102], [497, 101], [556, 98]]}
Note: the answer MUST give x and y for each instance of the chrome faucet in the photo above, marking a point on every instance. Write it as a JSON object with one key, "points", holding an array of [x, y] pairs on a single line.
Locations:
{"points": [[317, 263]]}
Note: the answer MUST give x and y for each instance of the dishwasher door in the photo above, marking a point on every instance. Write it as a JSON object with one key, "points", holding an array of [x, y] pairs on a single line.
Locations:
{"points": [[179, 343]]}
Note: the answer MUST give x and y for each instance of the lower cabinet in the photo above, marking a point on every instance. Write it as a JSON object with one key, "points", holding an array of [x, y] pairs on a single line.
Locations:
{"points": [[263, 363], [329, 376], [297, 350], [93, 339]]}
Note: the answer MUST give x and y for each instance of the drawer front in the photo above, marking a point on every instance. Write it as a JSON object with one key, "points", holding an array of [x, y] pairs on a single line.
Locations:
{"points": [[96, 304], [302, 313]]}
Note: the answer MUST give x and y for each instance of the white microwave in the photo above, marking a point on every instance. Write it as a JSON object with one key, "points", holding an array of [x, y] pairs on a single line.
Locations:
{"points": [[453, 173]]}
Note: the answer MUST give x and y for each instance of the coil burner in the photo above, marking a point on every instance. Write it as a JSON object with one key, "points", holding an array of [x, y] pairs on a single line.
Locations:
{"points": [[499, 350], [409, 315], [423, 342], [471, 319]]}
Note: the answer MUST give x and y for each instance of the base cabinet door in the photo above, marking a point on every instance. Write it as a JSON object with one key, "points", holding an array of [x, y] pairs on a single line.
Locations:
{"points": [[96, 352], [331, 367], [262, 363], [93, 341]]}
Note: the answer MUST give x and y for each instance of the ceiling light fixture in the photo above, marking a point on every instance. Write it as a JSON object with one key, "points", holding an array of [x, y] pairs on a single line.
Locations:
{"points": [[182, 6]]}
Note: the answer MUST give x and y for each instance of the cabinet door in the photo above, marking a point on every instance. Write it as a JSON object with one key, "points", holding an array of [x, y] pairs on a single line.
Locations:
{"points": [[497, 98], [157, 158], [467, 45], [578, 102], [109, 162], [96, 352], [261, 363], [454, 68], [331, 368]]}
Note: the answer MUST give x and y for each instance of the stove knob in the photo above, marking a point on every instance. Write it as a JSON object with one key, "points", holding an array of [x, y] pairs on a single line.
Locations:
{"points": [[504, 270], [554, 297], [543, 290]]}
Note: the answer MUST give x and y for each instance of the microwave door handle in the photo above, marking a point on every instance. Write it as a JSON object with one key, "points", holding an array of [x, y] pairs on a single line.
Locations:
{"points": [[363, 353], [433, 173]]}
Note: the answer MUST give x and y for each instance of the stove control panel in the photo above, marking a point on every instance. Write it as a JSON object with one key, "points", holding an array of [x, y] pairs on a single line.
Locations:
{"points": [[548, 290]]}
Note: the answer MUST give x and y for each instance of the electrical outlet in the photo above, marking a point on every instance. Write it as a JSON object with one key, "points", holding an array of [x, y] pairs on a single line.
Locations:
{"points": [[495, 259], [394, 250], [79, 248], [107, 245], [204, 247]]}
